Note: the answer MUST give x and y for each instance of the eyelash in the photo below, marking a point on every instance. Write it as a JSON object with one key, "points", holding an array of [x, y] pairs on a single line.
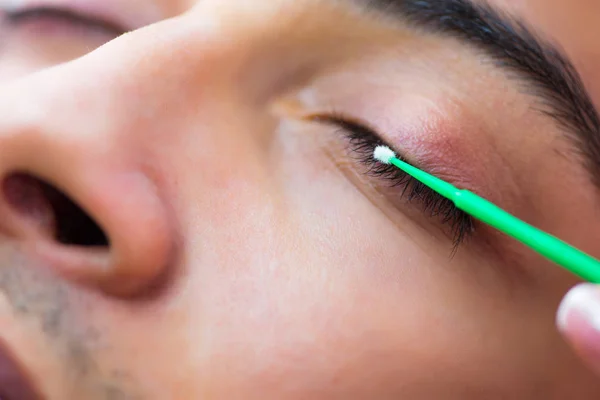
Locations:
{"points": [[362, 143]]}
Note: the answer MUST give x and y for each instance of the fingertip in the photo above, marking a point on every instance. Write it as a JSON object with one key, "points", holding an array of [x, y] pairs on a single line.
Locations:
{"points": [[582, 300], [578, 318]]}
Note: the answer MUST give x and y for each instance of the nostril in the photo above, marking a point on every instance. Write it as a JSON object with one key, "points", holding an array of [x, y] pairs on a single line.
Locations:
{"points": [[52, 210]]}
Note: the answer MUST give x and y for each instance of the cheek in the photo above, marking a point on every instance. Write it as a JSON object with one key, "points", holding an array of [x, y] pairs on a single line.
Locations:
{"points": [[337, 309], [310, 286], [293, 283]]}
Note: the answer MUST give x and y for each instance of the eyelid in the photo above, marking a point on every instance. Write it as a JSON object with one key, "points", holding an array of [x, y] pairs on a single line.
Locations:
{"points": [[354, 125], [429, 156], [363, 141], [67, 17]]}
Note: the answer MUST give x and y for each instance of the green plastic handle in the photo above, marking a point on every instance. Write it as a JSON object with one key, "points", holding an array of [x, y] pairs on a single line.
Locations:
{"points": [[565, 255], [551, 247]]}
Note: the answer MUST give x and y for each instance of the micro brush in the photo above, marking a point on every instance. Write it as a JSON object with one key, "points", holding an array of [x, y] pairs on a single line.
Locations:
{"points": [[563, 254]]}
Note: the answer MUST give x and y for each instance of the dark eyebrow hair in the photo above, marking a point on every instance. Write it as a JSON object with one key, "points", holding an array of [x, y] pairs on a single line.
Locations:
{"points": [[546, 72]]}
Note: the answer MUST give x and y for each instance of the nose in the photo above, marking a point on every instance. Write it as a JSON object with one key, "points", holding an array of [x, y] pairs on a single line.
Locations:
{"points": [[75, 196]]}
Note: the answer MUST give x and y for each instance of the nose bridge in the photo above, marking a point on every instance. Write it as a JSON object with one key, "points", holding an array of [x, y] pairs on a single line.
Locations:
{"points": [[98, 103], [197, 56]]}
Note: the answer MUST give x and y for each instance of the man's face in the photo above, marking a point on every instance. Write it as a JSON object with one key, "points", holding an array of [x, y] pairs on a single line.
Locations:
{"points": [[192, 210]]}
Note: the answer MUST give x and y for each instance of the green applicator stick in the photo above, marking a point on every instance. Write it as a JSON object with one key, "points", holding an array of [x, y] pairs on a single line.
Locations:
{"points": [[563, 254]]}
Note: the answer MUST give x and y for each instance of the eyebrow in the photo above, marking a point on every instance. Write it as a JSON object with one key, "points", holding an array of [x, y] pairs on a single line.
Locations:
{"points": [[545, 71]]}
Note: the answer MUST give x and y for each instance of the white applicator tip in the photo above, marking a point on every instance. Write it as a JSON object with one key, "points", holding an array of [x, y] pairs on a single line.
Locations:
{"points": [[383, 154]]}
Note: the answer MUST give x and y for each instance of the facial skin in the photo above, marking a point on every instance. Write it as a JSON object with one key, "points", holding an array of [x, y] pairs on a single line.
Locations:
{"points": [[250, 256], [40, 34]]}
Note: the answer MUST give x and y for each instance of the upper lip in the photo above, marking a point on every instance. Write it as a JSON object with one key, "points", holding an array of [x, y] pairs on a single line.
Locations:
{"points": [[109, 11], [14, 383]]}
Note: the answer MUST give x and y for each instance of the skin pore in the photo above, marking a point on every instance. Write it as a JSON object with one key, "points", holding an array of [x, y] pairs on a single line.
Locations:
{"points": [[249, 253]]}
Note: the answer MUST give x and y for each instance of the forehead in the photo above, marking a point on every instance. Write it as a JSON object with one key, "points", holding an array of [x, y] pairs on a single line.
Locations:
{"points": [[325, 28]]}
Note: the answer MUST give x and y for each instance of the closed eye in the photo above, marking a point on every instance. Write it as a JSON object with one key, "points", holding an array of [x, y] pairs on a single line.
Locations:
{"points": [[66, 17], [362, 142]]}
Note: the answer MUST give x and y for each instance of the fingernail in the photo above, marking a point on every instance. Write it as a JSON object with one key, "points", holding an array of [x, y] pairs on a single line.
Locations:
{"points": [[582, 302]]}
